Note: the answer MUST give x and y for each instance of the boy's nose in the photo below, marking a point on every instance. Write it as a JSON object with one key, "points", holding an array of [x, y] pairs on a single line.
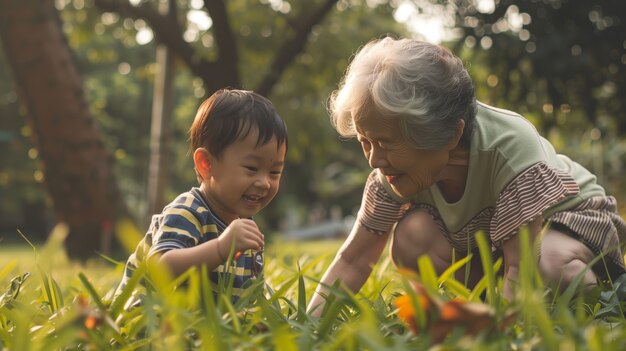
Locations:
{"points": [[262, 182]]}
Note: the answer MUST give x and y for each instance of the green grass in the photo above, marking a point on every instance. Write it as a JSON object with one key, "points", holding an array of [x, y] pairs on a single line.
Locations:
{"points": [[50, 303]]}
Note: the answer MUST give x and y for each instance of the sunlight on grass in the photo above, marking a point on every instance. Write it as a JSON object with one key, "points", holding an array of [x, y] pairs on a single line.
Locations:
{"points": [[49, 302]]}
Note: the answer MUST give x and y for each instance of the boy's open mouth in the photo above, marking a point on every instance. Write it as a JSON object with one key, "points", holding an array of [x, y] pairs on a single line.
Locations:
{"points": [[253, 198]]}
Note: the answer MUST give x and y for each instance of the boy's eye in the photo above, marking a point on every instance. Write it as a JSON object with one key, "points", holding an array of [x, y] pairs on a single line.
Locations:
{"points": [[251, 168]]}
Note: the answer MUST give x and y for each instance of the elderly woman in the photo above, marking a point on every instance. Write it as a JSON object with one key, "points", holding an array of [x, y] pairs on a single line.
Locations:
{"points": [[446, 166]]}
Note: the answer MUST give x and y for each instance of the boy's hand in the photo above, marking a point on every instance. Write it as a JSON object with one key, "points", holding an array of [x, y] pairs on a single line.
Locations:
{"points": [[244, 233]]}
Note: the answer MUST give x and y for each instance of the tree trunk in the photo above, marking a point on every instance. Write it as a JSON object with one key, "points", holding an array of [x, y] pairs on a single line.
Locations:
{"points": [[76, 166]]}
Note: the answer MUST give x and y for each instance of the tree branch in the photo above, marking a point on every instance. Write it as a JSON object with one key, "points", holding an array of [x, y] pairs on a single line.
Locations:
{"points": [[168, 32], [293, 46], [223, 71], [226, 42]]}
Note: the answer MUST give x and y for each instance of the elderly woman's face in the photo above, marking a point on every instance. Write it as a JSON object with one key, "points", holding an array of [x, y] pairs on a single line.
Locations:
{"points": [[408, 170]]}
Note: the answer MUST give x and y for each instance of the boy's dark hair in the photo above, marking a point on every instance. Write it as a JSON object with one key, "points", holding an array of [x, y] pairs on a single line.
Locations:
{"points": [[229, 115]]}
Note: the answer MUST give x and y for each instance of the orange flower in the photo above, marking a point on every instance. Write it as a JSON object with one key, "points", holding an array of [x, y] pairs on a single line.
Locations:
{"points": [[406, 312], [93, 318], [444, 316], [91, 321]]}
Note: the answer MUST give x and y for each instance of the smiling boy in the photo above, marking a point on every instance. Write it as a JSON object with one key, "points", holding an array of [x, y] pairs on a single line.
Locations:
{"points": [[239, 144]]}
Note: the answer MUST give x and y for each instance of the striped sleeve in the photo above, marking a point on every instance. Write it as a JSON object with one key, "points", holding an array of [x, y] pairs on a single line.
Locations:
{"points": [[532, 192], [178, 228], [379, 211]]}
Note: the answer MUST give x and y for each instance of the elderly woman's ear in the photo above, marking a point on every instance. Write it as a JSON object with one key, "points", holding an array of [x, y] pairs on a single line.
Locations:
{"points": [[460, 127]]}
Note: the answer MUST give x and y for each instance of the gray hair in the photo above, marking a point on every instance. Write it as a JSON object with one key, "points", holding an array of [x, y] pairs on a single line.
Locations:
{"points": [[423, 84]]}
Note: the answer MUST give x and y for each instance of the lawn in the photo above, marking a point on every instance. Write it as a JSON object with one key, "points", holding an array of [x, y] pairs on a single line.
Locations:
{"points": [[63, 305]]}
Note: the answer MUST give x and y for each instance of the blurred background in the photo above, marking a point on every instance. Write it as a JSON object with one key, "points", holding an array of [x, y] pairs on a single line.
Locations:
{"points": [[96, 97]]}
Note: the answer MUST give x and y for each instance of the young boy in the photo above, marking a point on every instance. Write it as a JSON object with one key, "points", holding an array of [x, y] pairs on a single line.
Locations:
{"points": [[239, 143]]}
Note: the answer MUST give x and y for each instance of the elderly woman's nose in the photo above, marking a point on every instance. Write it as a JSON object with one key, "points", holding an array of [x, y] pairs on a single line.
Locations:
{"points": [[377, 158]]}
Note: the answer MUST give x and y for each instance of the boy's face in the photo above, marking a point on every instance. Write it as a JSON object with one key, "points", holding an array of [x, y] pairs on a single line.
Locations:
{"points": [[245, 179]]}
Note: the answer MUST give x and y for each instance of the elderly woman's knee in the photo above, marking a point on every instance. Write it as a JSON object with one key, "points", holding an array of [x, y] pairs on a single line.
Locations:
{"points": [[413, 224], [412, 232], [417, 234], [563, 259], [561, 246], [405, 240], [562, 274]]}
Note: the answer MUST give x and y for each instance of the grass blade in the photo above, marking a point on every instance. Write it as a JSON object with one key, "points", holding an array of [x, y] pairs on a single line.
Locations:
{"points": [[91, 290], [485, 257]]}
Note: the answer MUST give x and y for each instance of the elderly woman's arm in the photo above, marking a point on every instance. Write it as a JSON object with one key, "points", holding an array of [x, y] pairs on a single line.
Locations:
{"points": [[510, 250], [352, 265], [511, 253]]}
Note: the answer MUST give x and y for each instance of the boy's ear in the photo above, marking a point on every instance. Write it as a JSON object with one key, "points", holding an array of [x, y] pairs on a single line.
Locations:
{"points": [[202, 162]]}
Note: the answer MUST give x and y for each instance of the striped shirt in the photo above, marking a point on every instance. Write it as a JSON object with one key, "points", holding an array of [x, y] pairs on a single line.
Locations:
{"points": [[186, 222]]}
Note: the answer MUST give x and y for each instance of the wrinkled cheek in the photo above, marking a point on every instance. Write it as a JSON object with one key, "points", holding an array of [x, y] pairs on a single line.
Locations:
{"points": [[420, 181], [418, 178]]}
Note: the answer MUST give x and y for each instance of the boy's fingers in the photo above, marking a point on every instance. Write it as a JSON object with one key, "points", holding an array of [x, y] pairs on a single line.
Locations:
{"points": [[257, 232], [249, 222], [259, 242], [254, 233]]}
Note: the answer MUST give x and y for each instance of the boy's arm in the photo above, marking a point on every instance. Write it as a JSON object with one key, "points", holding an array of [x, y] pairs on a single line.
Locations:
{"points": [[243, 234], [352, 265], [208, 254]]}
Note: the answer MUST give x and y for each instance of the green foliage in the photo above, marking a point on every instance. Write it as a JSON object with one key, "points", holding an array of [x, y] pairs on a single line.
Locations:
{"points": [[561, 64], [118, 74], [563, 94], [561, 59], [56, 308]]}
